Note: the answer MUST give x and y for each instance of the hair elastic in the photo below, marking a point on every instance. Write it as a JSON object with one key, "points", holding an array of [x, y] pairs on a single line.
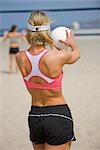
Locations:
{"points": [[38, 28]]}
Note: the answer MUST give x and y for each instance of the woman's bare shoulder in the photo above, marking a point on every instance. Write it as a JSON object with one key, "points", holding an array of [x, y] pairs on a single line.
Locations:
{"points": [[21, 62], [20, 56], [61, 53]]}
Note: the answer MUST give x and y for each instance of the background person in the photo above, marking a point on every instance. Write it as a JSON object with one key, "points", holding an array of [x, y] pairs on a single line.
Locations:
{"points": [[13, 35]]}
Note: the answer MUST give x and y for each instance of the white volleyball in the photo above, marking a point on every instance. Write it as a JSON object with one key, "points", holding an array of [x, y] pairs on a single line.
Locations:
{"points": [[59, 33]]}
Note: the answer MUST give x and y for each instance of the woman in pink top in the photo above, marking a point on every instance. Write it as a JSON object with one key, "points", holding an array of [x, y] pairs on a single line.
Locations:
{"points": [[50, 120]]}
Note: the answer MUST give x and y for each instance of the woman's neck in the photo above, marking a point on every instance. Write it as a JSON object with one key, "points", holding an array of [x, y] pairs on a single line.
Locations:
{"points": [[36, 48]]}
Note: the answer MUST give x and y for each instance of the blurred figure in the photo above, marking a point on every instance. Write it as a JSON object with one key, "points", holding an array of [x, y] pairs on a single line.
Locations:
{"points": [[76, 25], [13, 35]]}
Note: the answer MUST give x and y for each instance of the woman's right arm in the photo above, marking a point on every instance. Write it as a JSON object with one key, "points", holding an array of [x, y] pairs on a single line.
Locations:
{"points": [[6, 36], [70, 57]]}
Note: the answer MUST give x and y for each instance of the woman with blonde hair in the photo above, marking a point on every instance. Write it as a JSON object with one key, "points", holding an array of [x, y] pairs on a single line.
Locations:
{"points": [[50, 120]]}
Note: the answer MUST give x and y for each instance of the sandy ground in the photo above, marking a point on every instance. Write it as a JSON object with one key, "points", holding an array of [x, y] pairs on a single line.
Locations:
{"points": [[81, 88]]}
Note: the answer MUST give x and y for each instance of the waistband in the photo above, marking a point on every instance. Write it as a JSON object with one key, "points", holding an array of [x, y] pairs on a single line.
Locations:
{"points": [[50, 110], [14, 47], [49, 106]]}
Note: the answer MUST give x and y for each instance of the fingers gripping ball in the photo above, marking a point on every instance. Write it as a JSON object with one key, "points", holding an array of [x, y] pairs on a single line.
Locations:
{"points": [[60, 33]]}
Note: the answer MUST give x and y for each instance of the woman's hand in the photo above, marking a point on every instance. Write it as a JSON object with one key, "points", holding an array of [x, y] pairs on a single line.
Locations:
{"points": [[69, 39]]}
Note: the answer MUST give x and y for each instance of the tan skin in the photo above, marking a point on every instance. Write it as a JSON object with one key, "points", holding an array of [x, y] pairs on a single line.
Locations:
{"points": [[12, 61], [51, 66]]}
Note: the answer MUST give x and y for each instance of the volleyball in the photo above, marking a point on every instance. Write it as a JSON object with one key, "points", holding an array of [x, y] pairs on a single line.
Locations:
{"points": [[59, 33]]}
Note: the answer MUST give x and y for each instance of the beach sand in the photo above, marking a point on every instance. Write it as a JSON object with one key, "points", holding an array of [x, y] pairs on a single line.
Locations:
{"points": [[81, 88]]}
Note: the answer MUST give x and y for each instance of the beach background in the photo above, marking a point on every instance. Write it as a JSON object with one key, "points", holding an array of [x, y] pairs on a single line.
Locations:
{"points": [[62, 12], [81, 82]]}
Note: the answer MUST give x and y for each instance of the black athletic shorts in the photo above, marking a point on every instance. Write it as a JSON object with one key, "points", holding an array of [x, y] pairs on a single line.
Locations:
{"points": [[13, 50], [51, 124]]}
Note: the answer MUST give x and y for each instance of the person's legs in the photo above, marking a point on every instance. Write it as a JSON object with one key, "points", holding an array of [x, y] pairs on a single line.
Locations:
{"points": [[38, 146], [58, 147], [16, 66], [11, 61]]}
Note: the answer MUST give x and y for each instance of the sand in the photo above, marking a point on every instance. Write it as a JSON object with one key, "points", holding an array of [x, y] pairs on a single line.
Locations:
{"points": [[81, 88]]}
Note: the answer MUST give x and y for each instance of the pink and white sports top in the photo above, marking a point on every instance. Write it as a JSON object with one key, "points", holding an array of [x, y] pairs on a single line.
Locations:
{"points": [[51, 83]]}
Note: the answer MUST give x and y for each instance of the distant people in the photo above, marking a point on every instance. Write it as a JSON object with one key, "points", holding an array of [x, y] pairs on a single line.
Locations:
{"points": [[13, 35]]}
